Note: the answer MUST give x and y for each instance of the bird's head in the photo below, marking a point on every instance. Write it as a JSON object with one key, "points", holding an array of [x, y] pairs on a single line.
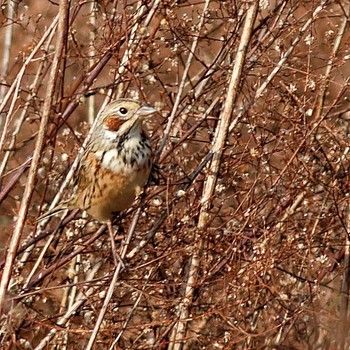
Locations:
{"points": [[122, 116]]}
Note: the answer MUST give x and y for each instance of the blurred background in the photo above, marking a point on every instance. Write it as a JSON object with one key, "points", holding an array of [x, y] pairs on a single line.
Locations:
{"points": [[260, 263]]}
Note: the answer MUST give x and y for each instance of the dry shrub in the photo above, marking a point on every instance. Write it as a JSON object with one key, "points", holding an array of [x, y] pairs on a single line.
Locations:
{"points": [[264, 262]]}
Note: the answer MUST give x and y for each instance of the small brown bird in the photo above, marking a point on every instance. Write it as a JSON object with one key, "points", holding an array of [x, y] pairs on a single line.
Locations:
{"points": [[116, 163]]}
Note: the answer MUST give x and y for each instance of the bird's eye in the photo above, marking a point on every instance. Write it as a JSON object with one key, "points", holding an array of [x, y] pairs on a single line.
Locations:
{"points": [[123, 110]]}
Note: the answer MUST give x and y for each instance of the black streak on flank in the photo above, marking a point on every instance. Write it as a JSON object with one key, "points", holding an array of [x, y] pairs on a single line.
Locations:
{"points": [[103, 155]]}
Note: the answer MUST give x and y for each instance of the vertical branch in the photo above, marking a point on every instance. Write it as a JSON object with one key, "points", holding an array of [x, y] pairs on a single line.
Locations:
{"points": [[209, 187], [29, 188], [92, 53], [324, 86], [6, 51], [344, 290], [345, 284]]}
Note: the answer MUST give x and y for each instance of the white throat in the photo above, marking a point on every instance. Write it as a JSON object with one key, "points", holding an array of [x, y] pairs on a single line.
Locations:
{"points": [[133, 153]]}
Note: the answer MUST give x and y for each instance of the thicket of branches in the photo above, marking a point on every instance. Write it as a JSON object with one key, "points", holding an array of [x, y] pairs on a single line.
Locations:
{"points": [[243, 243]]}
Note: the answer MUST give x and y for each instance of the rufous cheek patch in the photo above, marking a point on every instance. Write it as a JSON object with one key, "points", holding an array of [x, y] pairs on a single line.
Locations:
{"points": [[112, 123]]}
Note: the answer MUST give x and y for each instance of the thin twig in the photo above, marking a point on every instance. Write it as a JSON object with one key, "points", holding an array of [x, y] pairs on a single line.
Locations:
{"points": [[80, 300], [114, 280], [29, 188], [183, 82], [15, 85], [23, 115], [131, 311], [62, 262], [263, 88]]}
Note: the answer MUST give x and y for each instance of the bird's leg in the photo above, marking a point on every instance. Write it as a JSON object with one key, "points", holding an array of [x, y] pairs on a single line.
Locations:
{"points": [[117, 258]]}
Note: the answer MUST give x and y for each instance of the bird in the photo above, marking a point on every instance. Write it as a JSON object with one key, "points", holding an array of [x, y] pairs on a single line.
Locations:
{"points": [[115, 164]]}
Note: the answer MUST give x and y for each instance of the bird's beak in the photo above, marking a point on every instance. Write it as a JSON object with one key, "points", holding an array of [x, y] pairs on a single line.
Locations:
{"points": [[145, 110]]}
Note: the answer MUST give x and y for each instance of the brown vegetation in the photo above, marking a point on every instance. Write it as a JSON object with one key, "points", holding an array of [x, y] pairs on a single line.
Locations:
{"points": [[243, 243]]}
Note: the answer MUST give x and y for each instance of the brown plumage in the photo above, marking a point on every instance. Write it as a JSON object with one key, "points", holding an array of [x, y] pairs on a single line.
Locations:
{"points": [[115, 165]]}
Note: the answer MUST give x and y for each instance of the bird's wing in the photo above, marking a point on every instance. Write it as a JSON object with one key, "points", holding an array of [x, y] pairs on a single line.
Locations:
{"points": [[84, 182]]}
